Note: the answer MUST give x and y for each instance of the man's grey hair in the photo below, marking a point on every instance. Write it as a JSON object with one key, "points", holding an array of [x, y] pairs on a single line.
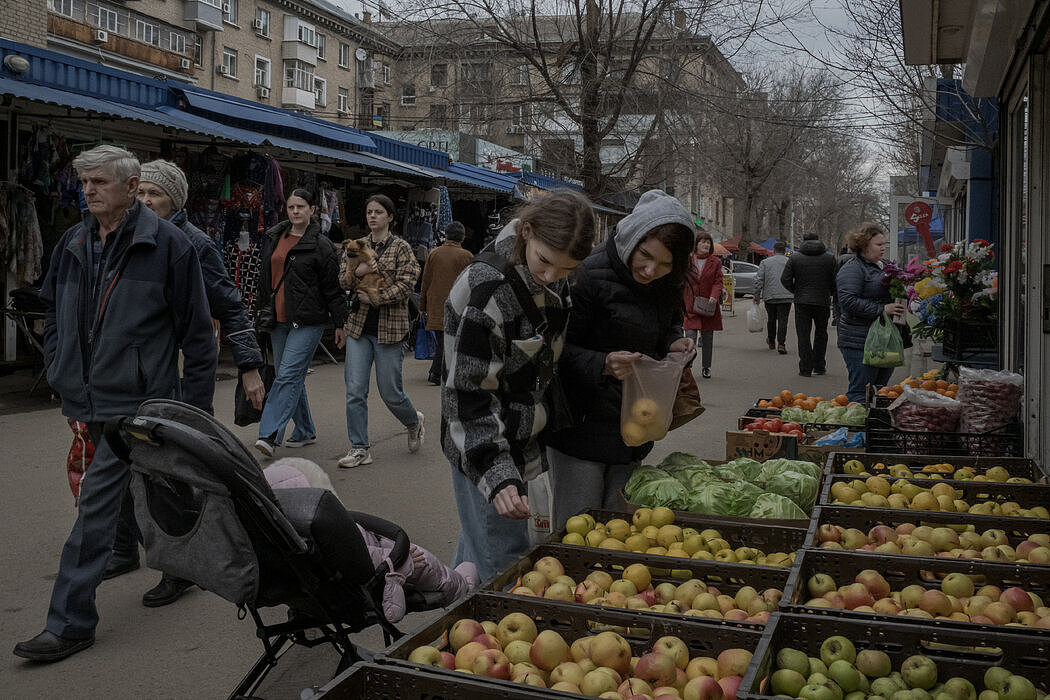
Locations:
{"points": [[120, 163]]}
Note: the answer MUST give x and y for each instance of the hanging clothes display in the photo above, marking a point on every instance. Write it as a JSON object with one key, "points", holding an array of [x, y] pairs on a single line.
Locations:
{"points": [[421, 217], [243, 258], [21, 243]]}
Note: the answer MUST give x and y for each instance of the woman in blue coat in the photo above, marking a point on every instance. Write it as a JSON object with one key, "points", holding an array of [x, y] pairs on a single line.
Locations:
{"points": [[862, 298]]}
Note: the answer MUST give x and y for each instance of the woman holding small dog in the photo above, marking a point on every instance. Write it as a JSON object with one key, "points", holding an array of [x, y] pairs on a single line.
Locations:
{"points": [[376, 329], [302, 278]]}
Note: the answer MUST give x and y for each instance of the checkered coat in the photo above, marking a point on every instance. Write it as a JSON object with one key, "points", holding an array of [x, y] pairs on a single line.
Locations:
{"points": [[399, 267], [497, 371]]}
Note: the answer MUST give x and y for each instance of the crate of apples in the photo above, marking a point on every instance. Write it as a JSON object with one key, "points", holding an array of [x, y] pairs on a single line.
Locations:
{"points": [[951, 590], [512, 640], [1007, 470]]}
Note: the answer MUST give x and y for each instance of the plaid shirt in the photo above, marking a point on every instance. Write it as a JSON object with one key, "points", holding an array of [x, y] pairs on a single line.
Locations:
{"points": [[398, 266], [492, 397]]}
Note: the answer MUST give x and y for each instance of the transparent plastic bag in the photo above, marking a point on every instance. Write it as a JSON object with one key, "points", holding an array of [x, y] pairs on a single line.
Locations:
{"points": [[756, 318], [925, 411], [883, 347], [648, 397], [990, 399]]}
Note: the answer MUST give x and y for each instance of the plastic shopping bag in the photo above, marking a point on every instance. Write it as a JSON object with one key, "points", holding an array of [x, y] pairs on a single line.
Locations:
{"points": [[540, 508], [648, 397], [883, 347], [426, 341], [990, 399], [756, 318]]}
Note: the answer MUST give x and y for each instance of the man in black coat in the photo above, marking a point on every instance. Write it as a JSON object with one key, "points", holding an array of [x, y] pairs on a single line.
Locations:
{"points": [[810, 275]]}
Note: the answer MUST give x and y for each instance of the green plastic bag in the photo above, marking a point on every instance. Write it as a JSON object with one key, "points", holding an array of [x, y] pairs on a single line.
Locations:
{"points": [[883, 347]]}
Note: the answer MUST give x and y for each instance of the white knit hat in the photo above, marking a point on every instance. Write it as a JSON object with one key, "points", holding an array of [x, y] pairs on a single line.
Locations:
{"points": [[169, 178]]}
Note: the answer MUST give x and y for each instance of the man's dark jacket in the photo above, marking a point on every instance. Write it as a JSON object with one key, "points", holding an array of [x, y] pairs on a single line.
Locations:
{"points": [[810, 274], [106, 356]]}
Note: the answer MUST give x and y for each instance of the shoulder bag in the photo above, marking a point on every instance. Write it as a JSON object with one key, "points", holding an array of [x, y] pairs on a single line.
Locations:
{"points": [[266, 315]]}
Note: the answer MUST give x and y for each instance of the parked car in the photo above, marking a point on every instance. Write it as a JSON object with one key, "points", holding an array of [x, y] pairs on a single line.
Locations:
{"points": [[743, 278]]}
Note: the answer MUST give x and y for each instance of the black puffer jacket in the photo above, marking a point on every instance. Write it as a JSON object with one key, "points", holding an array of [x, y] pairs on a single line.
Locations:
{"points": [[312, 295], [810, 274], [610, 312], [862, 298]]}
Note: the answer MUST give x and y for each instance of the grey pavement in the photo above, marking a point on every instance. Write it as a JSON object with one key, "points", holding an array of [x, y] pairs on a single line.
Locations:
{"points": [[197, 648]]}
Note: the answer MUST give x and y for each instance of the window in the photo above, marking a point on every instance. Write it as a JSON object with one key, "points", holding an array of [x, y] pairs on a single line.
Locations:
{"points": [[408, 95], [61, 7], [439, 74], [320, 92], [386, 73], [319, 42], [344, 101], [262, 22], [519, 115], [519, 75], [307, 35], [198, 49], [476, 72], [438, 116], [344, 55], [230, 15], [262, 71], [229, 61], [298, 74], [177, 43], [107, 19], [667, 68], [147, 32]]}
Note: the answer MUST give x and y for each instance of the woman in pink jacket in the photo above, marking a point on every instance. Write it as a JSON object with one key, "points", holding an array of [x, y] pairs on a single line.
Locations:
{"points": [[703, 283]]}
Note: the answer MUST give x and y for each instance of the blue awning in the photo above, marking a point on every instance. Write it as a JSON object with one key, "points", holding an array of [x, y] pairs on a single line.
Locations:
{"points": [[548, 183], [355, 157], [232, 110]]}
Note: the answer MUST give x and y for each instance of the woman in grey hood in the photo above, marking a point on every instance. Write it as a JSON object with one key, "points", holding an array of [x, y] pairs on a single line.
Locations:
{"points": [[626, 302]]}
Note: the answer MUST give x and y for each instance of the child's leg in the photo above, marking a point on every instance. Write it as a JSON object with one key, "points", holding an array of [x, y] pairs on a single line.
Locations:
{"points": [[431, 574]]}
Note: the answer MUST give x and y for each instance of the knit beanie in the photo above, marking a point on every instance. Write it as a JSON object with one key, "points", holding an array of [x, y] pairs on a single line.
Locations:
{"points": [[169, 178]]}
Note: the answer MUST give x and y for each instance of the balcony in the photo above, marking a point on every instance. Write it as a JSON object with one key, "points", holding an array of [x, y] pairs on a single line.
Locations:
{"points": [[294, 98], [298, 51], [203, 13], [67, 28]]}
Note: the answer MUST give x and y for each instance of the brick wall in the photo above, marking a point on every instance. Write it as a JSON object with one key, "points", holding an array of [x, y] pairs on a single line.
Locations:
{"points": [[25, 22]]}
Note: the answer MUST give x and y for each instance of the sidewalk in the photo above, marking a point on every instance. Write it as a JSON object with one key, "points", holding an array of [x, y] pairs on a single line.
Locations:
{"points": [[197, 648]]}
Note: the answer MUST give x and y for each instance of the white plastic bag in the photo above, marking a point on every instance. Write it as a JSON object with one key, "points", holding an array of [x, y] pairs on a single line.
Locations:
{"points": [[756, 318], [540, 510]]}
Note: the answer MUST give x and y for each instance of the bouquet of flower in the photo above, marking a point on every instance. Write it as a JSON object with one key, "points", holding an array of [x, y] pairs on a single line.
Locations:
{"points": [[959, 286]]}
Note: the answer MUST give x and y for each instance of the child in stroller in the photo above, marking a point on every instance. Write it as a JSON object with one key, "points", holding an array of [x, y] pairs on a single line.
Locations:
{"points": [[423, 570]]}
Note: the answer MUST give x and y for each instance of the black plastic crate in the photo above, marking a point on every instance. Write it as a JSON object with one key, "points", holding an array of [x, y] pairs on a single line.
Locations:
{"points": [[1017, 529], [1006, 441], [1017, 466], [967, 653], [580, 561], [739, 532], [641, 630], [973, 492], [372, 681], [899, 572]]}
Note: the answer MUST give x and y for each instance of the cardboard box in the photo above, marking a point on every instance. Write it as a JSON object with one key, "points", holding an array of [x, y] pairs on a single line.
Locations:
{"points": [[760, 445]]}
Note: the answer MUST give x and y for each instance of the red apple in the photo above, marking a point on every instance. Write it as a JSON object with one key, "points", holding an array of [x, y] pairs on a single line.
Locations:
{"points": [[729, 686], [1018, 598]]}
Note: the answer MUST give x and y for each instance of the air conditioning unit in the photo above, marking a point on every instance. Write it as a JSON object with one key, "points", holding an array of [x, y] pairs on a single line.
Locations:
{"points": [[185, 64], [259, 25], [223, 69], [101, 36], [516, 129], [226, 8], [262, 91]]}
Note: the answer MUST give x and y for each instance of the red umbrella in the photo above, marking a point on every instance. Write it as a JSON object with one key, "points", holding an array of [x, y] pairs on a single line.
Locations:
{"points": [[720, 250], [756, 248]]}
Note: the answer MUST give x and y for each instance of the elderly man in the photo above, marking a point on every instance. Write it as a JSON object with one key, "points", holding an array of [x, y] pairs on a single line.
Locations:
{"points": [[443, 267], [124, 294]]}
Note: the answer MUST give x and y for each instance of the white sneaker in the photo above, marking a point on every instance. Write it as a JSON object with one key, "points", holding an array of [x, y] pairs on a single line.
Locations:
{"points": [[415, 433], [356, 457], [300, 443], [265, 446], [469, 572]]}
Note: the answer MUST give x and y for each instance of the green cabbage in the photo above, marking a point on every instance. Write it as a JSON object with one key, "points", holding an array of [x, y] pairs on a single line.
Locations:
{"points": [[678, 460], [776, 466], [771, 505], [649, 486], [827, 412], [743, 468], [694, 478], [800, 488], [723, 498]]}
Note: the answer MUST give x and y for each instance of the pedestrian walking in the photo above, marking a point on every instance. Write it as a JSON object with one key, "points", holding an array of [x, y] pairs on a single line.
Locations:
{"points": [[124, 293], [504, 331], [810, 276], [442, 268], [626, 303], [300, 280], [375, 333], [862, 299], [704, 282], [777, 298]]}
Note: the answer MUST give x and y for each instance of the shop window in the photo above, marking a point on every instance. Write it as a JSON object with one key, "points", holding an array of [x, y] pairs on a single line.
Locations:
{"points": [[320, 92], [262, 71], [439, 74], [262, 22], [344, 55], [147, 32], [299, 75], [229, 11], [229, 62]]}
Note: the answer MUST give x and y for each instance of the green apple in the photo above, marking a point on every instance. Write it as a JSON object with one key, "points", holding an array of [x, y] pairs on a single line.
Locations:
{"points": [[994, 678], [874, 663], [835, 648], [845, 675], [1017, 688], [919, 671], [960, 689], [795, 660], [788, 682]]}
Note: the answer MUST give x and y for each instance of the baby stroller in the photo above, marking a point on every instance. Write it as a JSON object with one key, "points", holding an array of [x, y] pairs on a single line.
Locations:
{"points": [[208, 515]]}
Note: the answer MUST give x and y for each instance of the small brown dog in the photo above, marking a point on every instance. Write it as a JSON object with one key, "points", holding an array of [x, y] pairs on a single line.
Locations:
{"points": [[357, 251]]}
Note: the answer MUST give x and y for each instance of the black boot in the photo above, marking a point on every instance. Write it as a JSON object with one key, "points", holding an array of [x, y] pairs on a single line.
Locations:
{"points": [[166, 592]]}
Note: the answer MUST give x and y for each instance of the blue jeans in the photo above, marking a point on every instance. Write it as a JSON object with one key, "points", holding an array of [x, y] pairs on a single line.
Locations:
{"points": [[486, 538], [861, 375], [73, 613], [361, 353], [293, 350], [580, 484]]}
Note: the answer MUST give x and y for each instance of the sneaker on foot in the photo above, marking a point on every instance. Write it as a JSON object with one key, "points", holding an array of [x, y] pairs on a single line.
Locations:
{"points": [[772, 345], [266, 446], [469, 572], [782, 350], [356, 457], [415, 433], [706, 373], [300, 443]]}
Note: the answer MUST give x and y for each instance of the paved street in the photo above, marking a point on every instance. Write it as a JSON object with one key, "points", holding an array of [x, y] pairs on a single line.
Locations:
{"points": [[197, 648]]}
